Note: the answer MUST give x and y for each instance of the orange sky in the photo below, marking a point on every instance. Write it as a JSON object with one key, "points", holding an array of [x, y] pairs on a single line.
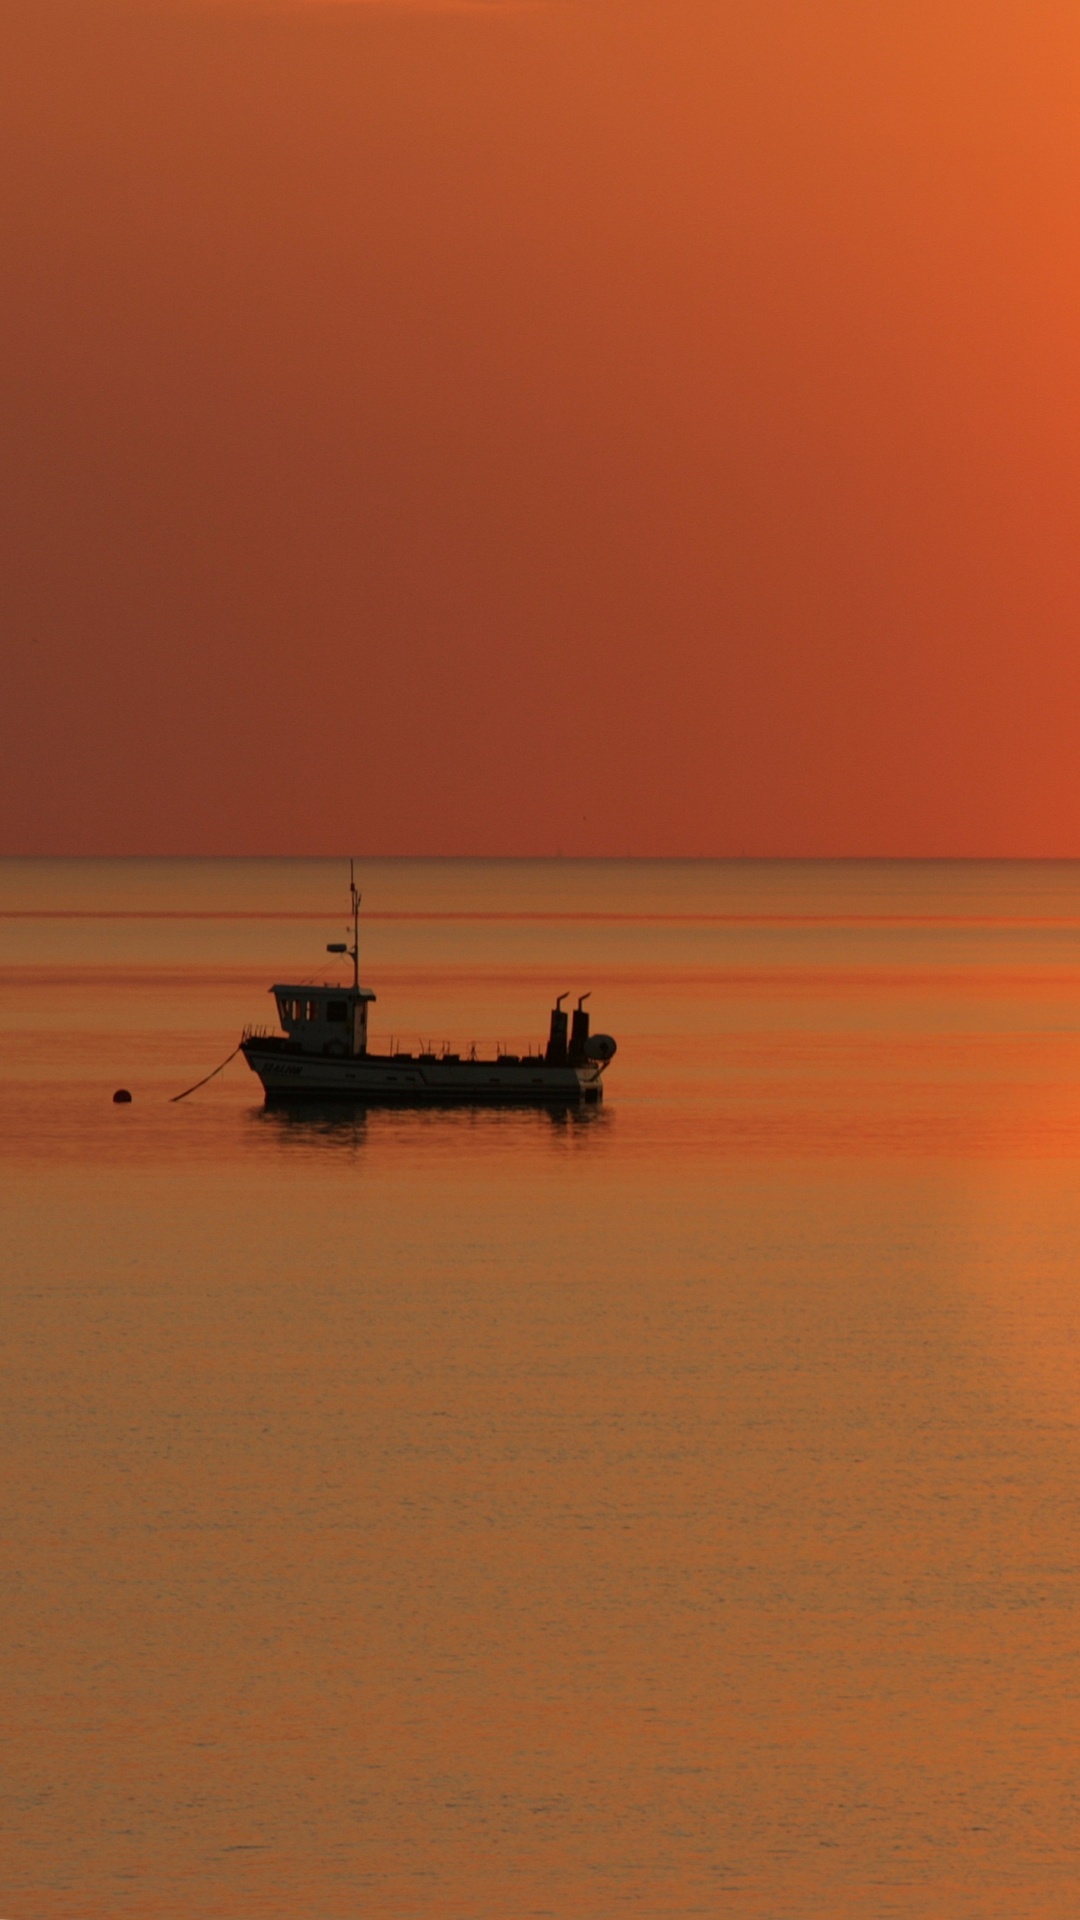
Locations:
{"points": [[591, 425]]}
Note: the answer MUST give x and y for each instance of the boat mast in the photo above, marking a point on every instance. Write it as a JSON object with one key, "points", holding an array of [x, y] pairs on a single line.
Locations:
{"points": [[355, 948]]}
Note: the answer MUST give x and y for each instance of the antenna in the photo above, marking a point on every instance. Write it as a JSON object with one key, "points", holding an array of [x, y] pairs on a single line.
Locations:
{"points": [[355, 948]]}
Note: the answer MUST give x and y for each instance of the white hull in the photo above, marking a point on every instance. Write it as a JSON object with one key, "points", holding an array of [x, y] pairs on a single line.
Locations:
{"points": [[289, 1074]]}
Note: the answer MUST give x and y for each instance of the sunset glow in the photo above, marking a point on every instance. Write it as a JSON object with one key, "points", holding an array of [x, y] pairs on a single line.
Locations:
{"points": [[574, 426]]}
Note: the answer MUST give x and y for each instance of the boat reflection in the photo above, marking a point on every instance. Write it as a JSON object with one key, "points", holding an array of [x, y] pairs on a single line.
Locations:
{"points": [[345, 1122]]}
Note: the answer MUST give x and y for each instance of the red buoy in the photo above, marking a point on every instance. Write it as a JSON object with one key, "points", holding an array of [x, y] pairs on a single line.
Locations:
{"points": [[121, 1098]]}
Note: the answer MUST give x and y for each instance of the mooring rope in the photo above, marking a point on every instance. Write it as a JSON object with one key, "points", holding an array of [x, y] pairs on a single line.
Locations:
{"points": [[205, 1078]]}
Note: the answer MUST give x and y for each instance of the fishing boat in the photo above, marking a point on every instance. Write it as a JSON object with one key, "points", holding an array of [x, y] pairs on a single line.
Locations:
{"points": [[322, 1053]]}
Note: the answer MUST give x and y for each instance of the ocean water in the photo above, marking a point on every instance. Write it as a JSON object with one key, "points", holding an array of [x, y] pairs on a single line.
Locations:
{"points": [[667, 1509]]}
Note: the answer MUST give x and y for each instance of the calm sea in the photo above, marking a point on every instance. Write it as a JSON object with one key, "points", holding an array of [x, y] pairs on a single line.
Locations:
{"points": [[667, 1509]]}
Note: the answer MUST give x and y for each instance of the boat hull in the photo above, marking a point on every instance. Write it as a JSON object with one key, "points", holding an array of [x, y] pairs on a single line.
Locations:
{"points": [[288, 1074]]}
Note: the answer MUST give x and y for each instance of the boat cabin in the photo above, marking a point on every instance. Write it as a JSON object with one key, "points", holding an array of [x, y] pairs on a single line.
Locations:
{"points": [[328, 1020]]}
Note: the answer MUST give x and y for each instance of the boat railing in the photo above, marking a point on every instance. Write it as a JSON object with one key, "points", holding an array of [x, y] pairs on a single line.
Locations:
{"points": [[418, 1047]]}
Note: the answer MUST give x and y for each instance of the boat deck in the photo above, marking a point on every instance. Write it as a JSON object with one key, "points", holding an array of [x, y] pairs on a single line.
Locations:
{"points": [[289, 1072]]}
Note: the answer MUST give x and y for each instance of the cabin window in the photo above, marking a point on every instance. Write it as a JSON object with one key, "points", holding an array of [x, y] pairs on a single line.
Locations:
{"points": [[337, 1010], [284, 1008], [313, 1010]]}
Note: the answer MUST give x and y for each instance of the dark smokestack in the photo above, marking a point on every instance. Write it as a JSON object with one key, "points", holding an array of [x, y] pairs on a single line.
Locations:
{"points": [[556, 1046], [579, 1031]]}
